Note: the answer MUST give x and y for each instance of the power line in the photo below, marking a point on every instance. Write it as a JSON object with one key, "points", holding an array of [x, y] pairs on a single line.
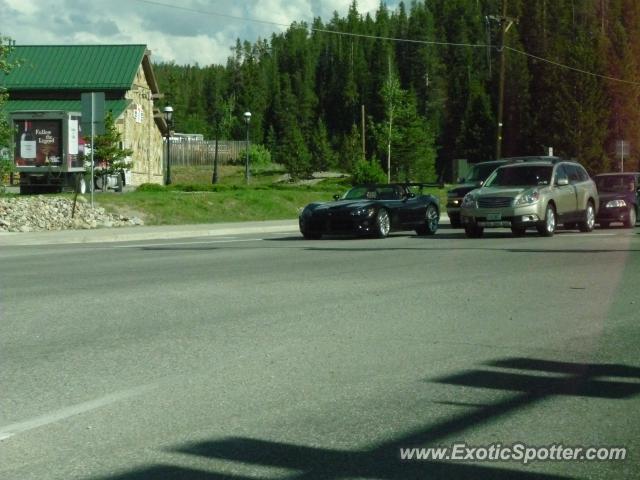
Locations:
{"points": [[389, 39], [579, 70], [212, 14], [402, 40]]}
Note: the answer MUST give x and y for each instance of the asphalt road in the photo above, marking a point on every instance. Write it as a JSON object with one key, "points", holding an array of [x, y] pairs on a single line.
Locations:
{"points": [[272, 357]]}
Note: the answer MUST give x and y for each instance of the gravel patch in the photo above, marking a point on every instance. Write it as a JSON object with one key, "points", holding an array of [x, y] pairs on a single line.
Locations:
{"points": [[40, 213]]}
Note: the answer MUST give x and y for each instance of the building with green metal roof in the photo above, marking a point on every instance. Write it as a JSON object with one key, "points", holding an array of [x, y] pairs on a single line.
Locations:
{"points": [[53, 77]]}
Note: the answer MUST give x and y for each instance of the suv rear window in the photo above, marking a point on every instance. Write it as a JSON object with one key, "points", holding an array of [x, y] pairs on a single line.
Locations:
{"points": [[480, 172], [576, 173], [521, 176]]}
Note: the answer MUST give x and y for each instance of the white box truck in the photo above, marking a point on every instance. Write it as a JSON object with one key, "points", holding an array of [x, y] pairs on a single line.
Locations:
{"points": [[49, 151]]}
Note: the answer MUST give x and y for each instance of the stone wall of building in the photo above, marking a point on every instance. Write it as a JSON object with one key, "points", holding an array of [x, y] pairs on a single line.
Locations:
{"points": [[141, 134]]}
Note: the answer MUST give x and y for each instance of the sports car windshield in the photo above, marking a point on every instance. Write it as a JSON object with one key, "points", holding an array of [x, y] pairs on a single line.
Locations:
{"points": [[616, 183], [521, 176], [372, 193]]}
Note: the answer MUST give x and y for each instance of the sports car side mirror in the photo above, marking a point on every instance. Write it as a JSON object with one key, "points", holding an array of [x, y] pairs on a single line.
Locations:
{"points": [[562, 182], [460, 179], [336, 197]]}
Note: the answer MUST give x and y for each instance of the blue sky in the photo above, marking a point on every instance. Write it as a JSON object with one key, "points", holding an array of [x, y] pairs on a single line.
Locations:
{"points": [[202, 31]]}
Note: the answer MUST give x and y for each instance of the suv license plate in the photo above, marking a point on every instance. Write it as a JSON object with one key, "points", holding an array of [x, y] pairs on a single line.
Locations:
{"points": [[493, 217]]}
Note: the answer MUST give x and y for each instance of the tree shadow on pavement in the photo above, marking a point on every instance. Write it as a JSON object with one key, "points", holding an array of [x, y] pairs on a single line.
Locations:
{"points": [[533, 381]]}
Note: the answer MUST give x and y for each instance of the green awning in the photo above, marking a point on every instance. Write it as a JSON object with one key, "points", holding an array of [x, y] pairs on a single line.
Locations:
{"points": [[117, 107]]}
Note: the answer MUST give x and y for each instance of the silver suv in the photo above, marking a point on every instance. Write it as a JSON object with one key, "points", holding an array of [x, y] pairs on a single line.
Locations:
{"points": [[536, 194]]}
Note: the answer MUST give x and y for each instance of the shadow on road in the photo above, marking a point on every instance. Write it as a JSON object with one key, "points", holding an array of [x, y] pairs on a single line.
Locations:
{"points": [[532, 381], [376, 248]]}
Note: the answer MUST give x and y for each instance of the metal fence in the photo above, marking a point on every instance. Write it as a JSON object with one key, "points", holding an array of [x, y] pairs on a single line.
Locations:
{"points": [[202, 152]]}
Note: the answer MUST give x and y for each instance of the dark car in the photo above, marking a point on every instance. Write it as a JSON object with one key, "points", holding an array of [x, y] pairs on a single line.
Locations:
{"points": [[476, 176], [474, 179], [373, 210], [619, 198]]}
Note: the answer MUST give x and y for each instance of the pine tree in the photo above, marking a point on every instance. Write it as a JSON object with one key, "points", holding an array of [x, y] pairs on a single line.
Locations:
{"points": [[350, 151], [108, 153], [6, 65], [477, 135], [322, 155], [619, 34], [414, 144]]}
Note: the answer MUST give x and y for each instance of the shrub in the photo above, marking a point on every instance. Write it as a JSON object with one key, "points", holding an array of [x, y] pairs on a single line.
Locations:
{"points": [[259, 156], [151, 187], [368, 172], [201, 187], [6, 168]]}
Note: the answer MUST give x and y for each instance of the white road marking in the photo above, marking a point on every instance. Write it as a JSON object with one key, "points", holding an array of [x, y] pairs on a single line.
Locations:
{"points": [[587, 234], [8, 431], [172, 244]]}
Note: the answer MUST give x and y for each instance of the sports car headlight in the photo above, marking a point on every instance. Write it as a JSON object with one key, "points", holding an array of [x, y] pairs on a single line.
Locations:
{"points": [[527, 198], [363, 212], [616, 204], [469, 201]]}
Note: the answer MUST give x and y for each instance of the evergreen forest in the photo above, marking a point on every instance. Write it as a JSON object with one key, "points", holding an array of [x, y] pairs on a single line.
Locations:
{"points": [[415, 87]]}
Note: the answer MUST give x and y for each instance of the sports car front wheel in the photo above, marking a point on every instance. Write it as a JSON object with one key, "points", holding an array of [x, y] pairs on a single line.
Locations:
{"points": [[430, 225], [383, 223]]}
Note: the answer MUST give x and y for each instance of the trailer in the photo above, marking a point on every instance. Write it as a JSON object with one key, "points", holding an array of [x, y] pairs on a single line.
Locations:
{"points": [[49, 151]]}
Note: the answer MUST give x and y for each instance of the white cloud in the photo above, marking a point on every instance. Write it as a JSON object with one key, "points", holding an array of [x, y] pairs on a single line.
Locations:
{"points": [[282, 11], [20, 6], [191, 31]]}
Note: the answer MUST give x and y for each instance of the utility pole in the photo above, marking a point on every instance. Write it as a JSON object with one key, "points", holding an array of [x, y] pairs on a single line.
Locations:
{"points": [[505, 24], [364, 148], [214, 178]]}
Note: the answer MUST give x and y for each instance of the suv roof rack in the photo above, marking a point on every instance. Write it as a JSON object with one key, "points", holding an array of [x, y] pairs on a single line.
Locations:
{"points": [[533, 158]]}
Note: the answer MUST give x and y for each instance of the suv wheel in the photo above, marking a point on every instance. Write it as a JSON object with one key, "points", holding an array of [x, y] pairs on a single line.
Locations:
{"points": [[631, 218], [548, 226], [589, 218]]}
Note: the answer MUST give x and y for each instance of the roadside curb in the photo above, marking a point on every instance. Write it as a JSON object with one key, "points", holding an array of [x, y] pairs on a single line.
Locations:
{"points": [[166, 232], [132, 234]]}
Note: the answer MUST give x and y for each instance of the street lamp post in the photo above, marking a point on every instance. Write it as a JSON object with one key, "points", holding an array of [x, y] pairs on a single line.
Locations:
{"points": [[247, 119], [168, 116], [214, 179]]}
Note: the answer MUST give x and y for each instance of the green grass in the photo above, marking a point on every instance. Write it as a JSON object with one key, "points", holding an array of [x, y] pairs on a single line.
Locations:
{"points": [[175, 208], [227, 175], [193, 199]]}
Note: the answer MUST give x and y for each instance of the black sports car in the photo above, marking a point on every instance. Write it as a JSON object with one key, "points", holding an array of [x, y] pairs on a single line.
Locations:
{"points": [[373, 210]]}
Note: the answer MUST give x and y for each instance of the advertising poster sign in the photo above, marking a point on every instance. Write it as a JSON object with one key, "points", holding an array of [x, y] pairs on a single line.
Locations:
{"points": [[38, 143]]}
